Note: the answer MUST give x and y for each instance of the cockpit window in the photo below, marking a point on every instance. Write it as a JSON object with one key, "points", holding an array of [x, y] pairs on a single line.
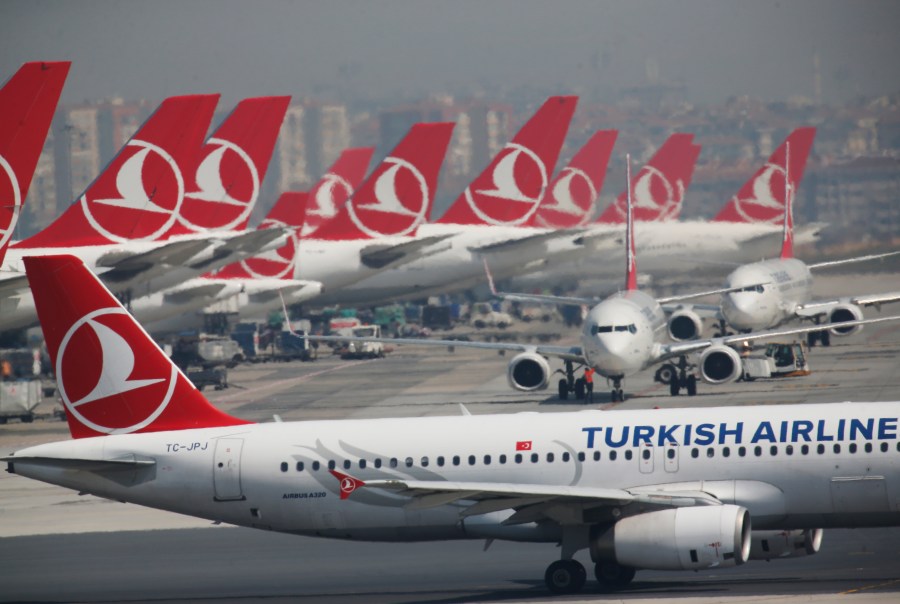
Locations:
{"points": [[752, 288], [595, 329]]}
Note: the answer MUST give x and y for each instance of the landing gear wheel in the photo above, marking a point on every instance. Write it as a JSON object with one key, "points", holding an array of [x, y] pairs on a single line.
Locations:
{"points": [[691, 385], [666, 373], [565, 577], [563, 390], [621, 395], [675, 386], [579, 389], [611, 576], [825, 337], [617, 395]]}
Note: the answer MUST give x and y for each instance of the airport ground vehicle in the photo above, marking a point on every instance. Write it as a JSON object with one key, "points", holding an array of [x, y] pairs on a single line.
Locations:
{"points": [[363, 349], [778, 360], [18, 398], [483, 315]]}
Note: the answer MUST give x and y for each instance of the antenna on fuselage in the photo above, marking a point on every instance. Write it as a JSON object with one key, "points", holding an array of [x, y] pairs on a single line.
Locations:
{"points": [[630, 262], [787, 241]]}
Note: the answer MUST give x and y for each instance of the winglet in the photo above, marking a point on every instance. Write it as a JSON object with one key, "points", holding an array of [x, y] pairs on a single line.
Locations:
{"points": [[112, 377], [787, 242], [631, 263], [348, 483]]}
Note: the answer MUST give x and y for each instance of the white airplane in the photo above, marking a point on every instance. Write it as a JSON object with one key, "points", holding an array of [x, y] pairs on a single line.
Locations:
{"points": [[27, 102], [622, 336], [667, 489], [376, 227], [741, 232], [146, 225], [497, 207], [766, 294], [255, 286]]}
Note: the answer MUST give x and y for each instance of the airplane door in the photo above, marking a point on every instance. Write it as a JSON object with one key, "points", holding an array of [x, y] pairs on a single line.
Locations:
{"points": [[227, 469], [645, 458], [671, 454]]}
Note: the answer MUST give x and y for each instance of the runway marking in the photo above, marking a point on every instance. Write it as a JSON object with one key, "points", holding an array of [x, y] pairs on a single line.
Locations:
{"points": [[288, 382], [868, 587]]}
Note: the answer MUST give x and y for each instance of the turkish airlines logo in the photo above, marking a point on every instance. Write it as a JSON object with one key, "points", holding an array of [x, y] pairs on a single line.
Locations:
{"points": [[96, 365], [275, 264], [143, 201], [573, 195], [10, 197], [512, 172], [401, 201], [333, 191], [654, 197], [766, 204], [227, 178]]}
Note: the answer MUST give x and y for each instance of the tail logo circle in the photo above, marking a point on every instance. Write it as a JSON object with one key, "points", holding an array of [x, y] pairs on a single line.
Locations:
{"points": [[510, 186], [11, 199], [278, 263], [96, 364], [766, 204], [401, 201]]}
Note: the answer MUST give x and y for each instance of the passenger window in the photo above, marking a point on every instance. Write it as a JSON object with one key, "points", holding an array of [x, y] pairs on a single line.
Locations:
{"points": [[284, 466], [868, 447], [726, 452], [837, 448], [409, 462], [852, 448], [695, 453], [534, 458], [299, 466], [377, 462], [440, 461], [596, 455], [566, 456], [331, 464], [471, 460], [710, 452], [612, 455], [346, 464], [884, 447], [789, 450], [804, 449], [628, 455], [773, 450], [424, 462], [581, 456], [670, 453], [456, 460], [820, 449], [502, 459], [757, 450], [518, 458], [487, 460], [394, 462], [549, 457], [742, 451], [315, 466], [362, 464], [645, 453]]}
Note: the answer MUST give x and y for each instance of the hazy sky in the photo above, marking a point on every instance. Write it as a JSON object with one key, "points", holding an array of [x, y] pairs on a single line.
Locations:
{"points": [[378, 49]]}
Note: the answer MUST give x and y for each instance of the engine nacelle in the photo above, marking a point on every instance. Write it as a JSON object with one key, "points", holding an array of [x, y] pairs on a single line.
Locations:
{"points": [[720, 364], [528, 371], [687, 538], [845, 312], [685, 324], [769, 545]]}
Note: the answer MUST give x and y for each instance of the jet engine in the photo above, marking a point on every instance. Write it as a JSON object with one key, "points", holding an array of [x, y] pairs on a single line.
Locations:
{"points": [[769, 545], [845, 312], [720, 364], [685, 324], [686, 538], [528, 371]]}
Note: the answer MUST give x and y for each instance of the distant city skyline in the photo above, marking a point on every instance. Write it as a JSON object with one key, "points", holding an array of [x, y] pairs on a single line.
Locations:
{"points": [[349, 51]]}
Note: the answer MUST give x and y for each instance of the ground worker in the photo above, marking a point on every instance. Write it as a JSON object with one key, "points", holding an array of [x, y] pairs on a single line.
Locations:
{"points": [[6, 370], [589, 384]]}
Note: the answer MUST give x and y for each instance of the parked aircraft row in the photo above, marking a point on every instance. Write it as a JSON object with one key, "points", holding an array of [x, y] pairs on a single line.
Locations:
{"points": [[664, 489]]}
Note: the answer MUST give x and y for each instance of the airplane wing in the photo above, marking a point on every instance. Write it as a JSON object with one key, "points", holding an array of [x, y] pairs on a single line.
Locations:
{"points": [[568, 353], [852, 260], [667, 351], [710, 311], [124, 266], [531, 502], [185, 295], [818, 308], [380, 256], [527, 242], [243, 245], [12, 284]]}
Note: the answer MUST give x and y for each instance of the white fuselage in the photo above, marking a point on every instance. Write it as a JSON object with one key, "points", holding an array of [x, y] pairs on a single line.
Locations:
{"points": [[450, 265], [620, 334], [791, 466], [774, 290]]}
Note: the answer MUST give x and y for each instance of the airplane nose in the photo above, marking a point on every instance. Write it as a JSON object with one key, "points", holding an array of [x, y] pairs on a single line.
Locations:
{"points": [[612, 353], [741, 310]]}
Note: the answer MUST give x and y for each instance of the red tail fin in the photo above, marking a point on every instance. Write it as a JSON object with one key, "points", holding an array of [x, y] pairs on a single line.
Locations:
{"points": [[761, 199], [27, 102], [288, 212], [336, 186], [570, 198], [396, 198], [112, 377], [659, 188], [511, 187], [223, 187], [138, 195], [630, 256]]}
